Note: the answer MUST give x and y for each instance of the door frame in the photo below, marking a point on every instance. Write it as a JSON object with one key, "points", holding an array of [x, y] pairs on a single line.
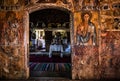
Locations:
{"points": [[37, 7]]}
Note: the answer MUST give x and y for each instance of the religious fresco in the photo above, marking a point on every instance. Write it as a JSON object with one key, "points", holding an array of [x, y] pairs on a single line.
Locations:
{"points": [[104, 62], [100, 60], [47, 1], [95, 51], [109, 16], [9, 5], [86, 45], [56, 3], [109, 40], [77, 5], [11, 44], [109, 61], [86, 32], [86, 4], [91, 2], [11, 29]]}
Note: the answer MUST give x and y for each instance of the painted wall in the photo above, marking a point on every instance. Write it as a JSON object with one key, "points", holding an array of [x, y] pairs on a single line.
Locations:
{"points": [[89, 61], [98, 61], [13, 63]]}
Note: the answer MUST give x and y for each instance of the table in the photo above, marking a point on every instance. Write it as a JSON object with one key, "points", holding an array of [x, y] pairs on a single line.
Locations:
{"points": [[57, 48]]}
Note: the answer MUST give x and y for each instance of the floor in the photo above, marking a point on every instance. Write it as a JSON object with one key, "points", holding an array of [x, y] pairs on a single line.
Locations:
{"points": [[58, 79]]}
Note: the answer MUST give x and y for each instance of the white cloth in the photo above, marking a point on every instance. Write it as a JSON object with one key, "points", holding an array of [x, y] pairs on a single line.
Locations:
{"points": [[55, 48], [41, 42]]}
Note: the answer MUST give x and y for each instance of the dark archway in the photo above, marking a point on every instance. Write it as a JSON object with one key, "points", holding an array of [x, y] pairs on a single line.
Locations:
{"points": [[59, 9]]}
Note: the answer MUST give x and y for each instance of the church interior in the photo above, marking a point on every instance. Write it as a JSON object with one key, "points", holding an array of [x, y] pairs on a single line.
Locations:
{"points": [[59, 39]]}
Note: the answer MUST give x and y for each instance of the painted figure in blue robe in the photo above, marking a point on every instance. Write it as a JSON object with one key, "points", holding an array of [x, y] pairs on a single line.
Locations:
{"points": [[86, 30]]}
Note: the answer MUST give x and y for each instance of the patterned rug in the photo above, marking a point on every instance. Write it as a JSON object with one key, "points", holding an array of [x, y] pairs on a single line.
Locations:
{"points": [[50, 67]]}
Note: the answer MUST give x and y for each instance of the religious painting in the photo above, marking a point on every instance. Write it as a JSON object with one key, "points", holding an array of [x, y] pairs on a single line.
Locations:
{"points": [[90, 2], [9, 5], [11, 28], [86, 47], [39, 1], [77, 4], [86, 28], [11, 2]]}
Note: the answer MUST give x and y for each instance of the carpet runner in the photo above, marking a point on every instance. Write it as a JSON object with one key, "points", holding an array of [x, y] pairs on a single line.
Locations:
{"points": [[50, 67]]}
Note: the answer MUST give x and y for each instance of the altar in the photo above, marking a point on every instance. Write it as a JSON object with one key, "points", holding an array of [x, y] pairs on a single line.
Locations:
{"points": [[58, 48]]}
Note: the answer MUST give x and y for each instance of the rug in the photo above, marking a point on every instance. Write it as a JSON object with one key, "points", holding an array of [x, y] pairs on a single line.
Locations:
{"points": [[50, 67]]}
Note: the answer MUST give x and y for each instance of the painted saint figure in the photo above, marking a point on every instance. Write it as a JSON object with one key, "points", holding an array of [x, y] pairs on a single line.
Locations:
{"points": [[10, 29], [86, 30]]}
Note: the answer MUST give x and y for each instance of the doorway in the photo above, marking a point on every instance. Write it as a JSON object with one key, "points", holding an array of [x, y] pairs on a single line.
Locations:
{"points": [[50, 45]]}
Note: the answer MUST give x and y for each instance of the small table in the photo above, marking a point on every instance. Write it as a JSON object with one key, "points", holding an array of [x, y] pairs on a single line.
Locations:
{"points": [[57, 48]]}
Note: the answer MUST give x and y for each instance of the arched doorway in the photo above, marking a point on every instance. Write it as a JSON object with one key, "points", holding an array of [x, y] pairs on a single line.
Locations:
{"points": [[32, 10]]}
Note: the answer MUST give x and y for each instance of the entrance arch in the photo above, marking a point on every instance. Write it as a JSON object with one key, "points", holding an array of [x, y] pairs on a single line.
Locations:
{"points": [[37, 7]]}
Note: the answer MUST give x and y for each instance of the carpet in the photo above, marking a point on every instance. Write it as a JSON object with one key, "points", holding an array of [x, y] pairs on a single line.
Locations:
{"points": [[50, 67]]}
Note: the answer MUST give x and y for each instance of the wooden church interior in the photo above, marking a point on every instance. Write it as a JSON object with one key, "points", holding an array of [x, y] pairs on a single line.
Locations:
{"points": [[51, 25], [50, 30], [38, 39]]}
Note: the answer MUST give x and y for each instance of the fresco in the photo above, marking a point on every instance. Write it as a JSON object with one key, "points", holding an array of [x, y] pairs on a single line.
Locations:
{"points": [[86, 4], [86, 45], [9, 5], [85, 29], [11, 29], [95, 52], [47, 1], [11, 45], [97, 60]]}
